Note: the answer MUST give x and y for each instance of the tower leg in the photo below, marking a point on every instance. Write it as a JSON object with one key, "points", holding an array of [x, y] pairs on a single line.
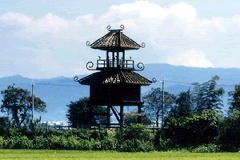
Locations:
{"points": [[139, 111], [121, 116], [108, 116], [90, 115]]}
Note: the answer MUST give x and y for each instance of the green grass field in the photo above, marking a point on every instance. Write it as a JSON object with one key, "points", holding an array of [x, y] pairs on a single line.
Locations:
{"points": [[9, 154]]}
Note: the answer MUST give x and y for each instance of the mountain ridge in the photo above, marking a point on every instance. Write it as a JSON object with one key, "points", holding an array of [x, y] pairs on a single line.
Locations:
{"points": [[57, 92]]}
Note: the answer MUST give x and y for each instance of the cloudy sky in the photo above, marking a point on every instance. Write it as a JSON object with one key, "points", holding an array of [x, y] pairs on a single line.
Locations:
{"points": [[47, 38]]}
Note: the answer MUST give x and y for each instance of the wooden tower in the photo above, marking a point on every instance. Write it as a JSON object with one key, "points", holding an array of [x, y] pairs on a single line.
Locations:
{"points": [[115, 83]]}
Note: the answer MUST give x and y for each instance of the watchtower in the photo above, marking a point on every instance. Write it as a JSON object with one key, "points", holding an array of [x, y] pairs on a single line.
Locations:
{"points": [[115, 83]]}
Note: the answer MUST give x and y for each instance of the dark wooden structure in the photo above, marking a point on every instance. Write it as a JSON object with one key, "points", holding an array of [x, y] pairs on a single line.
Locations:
{"points": [[115, 83]]}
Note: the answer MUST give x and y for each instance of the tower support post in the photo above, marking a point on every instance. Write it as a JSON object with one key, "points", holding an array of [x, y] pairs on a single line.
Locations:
{"points": [[139, 111], [90, 106], [121, 116], [108, 116]]}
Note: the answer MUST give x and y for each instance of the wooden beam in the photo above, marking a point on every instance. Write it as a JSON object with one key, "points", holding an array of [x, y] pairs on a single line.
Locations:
{"points": [[102, 114], [133, 114], [121, 116], [108, 116], [139, 112]]}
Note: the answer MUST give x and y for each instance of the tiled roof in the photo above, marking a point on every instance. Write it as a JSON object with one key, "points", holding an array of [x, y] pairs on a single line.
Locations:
{"points": [[121, 77], [110, 41]]}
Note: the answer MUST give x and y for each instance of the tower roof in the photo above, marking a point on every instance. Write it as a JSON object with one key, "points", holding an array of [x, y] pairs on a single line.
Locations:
{"points": [[115, 39], [122, 77]]}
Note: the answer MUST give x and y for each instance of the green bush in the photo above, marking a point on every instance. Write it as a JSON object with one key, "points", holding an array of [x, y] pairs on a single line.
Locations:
{"points": [[19, 142], [3, 142], [135, 145], [135, 131], [206, 148], [58, 142], [40, 142], [109, 143], [73, 143], [164, 145], [86, 144], [135, 138]]}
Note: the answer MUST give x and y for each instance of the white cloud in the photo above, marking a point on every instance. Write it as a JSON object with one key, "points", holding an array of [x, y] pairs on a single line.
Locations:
{"points": [[53, 123], [59, 43], [236, 19], [191, 58], [15, 18], [88, 19], [52, 23]]}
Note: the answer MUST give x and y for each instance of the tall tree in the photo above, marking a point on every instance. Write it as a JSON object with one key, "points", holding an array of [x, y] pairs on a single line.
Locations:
{"points": [[208, 97], [234, 100], [78, 113], [183, 107], [153, 104], [17, 103]]}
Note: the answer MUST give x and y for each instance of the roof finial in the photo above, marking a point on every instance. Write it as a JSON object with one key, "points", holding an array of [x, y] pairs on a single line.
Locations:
{"points": [[143, 45], [108, 27], [122, 26], [88, 43]]}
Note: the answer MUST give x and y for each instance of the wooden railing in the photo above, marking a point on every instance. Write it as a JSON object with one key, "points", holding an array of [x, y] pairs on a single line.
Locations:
{"points": [[123, 64]]}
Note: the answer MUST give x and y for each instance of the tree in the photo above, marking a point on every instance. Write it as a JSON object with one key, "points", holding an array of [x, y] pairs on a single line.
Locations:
{"points": [[17, 103], [78, 113], [207, 97], [134, 119], [153, 104], [234, 100], [195, 130], [183, 107]]}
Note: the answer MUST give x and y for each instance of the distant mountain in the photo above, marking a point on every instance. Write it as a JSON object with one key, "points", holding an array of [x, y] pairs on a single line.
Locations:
{"points": [[58, 92]]}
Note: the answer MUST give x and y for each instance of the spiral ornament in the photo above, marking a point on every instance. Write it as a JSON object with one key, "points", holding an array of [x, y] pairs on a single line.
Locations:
{"points": [[76, 78], [140, 66], [154, 80], [88, 43], [143, 45], [108, 27]]}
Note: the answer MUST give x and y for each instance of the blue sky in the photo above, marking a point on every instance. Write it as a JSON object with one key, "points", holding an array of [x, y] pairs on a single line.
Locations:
{"points": [[45, 39]]}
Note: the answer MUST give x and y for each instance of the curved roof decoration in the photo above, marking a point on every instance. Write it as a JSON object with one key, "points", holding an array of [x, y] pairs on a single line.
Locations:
{"points": [[115, 39]]}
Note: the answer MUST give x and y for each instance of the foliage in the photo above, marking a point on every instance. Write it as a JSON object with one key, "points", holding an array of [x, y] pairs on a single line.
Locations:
{"points": [[234, 100], [207, 97], [153, 104], [199, 129], [80, 109], [17, 102], [134, 139], [206, 148], [183, 106], [229, 132]]}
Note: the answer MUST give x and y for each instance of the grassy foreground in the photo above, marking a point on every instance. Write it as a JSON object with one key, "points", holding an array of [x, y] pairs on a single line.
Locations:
{"points": [[10, 154]]}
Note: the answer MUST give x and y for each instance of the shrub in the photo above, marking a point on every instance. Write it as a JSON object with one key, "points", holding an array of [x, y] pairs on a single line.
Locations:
{"points": [[18, 142], [3, 142], [40, 142], [135, 138], [206, 148], [135, 131], [73, 143], [109, 143], [163, 145], [86, 144]]}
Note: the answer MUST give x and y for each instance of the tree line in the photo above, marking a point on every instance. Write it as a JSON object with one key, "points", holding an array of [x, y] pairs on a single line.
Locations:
{"points": [[202, 97], [190, 118]]}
